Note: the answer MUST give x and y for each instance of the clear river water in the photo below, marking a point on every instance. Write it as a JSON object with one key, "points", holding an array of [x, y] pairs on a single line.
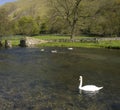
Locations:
{"points": [[31, 79]]}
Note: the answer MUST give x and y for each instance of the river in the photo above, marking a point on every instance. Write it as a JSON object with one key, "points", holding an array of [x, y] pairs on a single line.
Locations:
{"points": [[31, 79]]}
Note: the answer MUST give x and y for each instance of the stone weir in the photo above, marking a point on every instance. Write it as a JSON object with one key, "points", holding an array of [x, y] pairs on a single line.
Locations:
{"points": [[6, 44], [30, 42]]}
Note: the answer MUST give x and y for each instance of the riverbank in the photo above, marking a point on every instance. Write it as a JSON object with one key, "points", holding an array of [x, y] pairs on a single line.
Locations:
{"points": [[103, 44], [64, 41], [80, 41]]}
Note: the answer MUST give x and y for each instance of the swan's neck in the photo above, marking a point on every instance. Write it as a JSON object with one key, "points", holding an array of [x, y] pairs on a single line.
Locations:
{"points": [[80, 82]]}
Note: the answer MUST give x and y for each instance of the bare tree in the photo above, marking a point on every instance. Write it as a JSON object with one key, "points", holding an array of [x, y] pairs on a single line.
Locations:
{"points": [[68, 10]]}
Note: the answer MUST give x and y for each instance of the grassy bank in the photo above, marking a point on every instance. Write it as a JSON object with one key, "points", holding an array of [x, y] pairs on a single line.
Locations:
{"points": [[107, 44], [68, 44], [115, 44], [15, 40]]}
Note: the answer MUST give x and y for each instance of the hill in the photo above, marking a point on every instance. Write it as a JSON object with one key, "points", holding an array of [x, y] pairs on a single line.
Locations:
{"points": [[93, 17], [26, 8]]}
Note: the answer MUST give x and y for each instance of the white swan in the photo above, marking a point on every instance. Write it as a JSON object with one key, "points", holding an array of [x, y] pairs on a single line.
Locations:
{"points": [[91, 88]]}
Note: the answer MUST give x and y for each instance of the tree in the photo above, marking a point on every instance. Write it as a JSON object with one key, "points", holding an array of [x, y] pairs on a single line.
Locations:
{"points": [[68, 11], [28, 26], [110, 14], [4, 23], [43, 28]]}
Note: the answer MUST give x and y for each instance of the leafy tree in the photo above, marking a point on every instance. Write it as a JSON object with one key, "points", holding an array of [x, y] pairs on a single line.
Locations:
{"points": [[73, 17], [4, 23], [43, 28], [67, 10], [110, 24], [28, 26]]}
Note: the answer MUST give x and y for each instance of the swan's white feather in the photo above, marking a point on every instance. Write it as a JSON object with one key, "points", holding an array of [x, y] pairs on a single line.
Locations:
{"points": [[88, 87]]}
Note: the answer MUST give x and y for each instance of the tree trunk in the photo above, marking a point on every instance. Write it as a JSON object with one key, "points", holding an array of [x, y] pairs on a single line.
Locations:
{"points": [[72, 32], [75, 18]]}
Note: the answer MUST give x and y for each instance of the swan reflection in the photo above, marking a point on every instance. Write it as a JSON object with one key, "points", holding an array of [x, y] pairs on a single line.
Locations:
{"points": [[88, 93]]}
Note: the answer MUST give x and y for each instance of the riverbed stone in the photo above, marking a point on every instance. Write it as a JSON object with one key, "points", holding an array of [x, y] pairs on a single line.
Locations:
{"points": [[30, 42], [22, 43], [1, 45], [8, 44]]}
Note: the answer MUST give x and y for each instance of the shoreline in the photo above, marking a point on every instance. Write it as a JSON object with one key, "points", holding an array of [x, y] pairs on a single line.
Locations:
{"points": [[64, 41]]}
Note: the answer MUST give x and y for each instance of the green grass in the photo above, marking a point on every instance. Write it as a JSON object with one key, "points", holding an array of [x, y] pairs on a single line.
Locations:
{"points": [[110, 44], [69, 44], [86, 45], [54, 37], [101, 44], [63, 44], [15, 40], [51, 37]]}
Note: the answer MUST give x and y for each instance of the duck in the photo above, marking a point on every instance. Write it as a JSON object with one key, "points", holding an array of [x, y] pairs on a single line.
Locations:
{"points": [[91, 88], [70, 48], [42, 50], [53, 51]]}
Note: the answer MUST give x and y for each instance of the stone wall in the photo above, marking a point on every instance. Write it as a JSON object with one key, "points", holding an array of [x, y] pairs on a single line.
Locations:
{"points": [[108, 39], [82, 40], [1, 44], [30, 42], [8, 44], [76, 40]]}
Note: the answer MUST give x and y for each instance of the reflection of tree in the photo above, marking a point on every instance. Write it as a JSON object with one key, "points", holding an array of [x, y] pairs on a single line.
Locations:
{"points": [[89, 93]]}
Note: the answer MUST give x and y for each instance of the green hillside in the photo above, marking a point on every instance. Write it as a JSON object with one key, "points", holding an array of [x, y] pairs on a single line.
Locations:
{"points": [[26, 8], [90, 17]]}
